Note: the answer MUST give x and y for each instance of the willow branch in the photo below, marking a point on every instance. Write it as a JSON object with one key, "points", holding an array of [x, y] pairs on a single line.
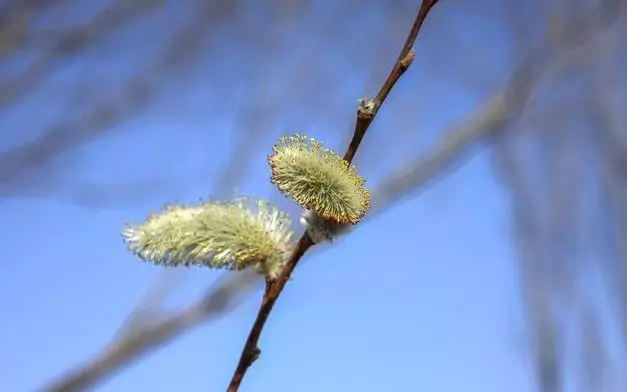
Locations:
{"points": [[365, 115]]}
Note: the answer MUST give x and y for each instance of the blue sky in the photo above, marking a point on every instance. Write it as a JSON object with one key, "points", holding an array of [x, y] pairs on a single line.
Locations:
{"points": [[422, 298]]}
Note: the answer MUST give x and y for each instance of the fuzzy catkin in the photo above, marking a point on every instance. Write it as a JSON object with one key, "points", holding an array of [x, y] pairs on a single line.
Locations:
{"points": [[228, 235], [318, 179]]}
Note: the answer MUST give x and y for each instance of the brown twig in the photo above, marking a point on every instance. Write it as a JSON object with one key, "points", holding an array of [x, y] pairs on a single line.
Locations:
{"points": [[251, 352], [365, 115], [368, 108]]}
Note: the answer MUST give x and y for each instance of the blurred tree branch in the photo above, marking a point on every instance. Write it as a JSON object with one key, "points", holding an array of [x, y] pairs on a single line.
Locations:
{"points": [[130, 100], [63, 43], [148, 334], [549, 207]]}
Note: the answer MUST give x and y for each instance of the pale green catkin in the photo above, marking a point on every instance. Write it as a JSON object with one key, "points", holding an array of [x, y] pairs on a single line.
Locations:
{"points": [[318, 179], [217, 235]]}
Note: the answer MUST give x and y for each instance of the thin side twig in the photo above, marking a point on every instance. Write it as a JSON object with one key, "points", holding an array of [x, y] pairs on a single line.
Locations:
{"points": [[365, 115], [368, 110]]}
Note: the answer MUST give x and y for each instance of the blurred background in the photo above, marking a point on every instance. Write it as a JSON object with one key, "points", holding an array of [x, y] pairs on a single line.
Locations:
{"points": [[494, 258]]}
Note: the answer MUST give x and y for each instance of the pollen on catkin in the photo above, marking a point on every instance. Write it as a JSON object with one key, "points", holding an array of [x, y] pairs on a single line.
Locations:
{"points": [[232, 235], [318, 179]]}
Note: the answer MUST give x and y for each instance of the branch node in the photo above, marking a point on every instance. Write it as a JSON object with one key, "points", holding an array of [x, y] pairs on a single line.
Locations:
{"points": [[367, 107], [254, 355], [406, 62]]}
